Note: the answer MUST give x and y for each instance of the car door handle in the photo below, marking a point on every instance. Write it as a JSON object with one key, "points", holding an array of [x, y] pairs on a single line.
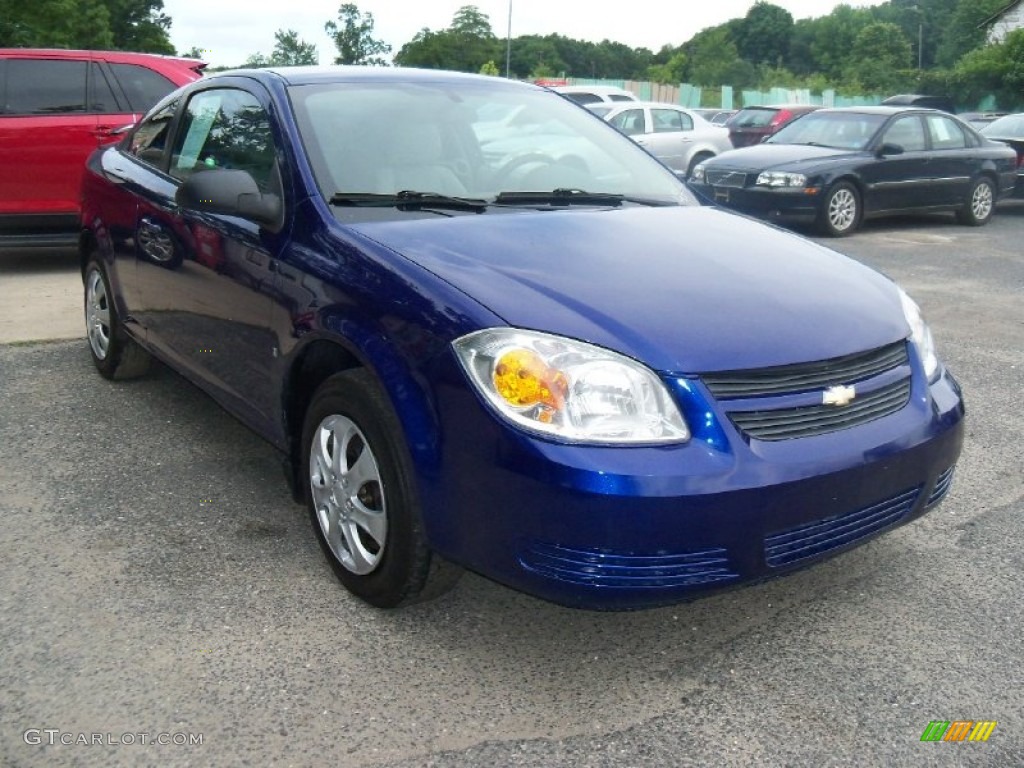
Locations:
{"points": [[117, 174]]}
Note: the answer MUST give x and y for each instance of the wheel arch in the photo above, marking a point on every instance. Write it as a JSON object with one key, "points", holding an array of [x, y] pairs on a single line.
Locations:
{"points": [[326, 356]]}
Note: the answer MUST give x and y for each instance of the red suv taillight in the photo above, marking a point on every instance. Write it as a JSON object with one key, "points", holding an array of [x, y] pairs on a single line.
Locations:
{"points": [[781, 117]]}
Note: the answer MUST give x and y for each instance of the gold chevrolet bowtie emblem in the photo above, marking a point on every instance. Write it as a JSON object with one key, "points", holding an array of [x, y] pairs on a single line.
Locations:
{"points": [[841, 395]]}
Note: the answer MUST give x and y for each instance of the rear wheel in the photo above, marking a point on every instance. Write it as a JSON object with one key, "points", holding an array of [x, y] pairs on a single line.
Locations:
{"points": [[360, 495], [840, 211], [980, 203], [114, 353]]}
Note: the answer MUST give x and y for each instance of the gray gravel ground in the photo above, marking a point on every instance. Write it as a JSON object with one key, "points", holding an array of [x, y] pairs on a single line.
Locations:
{"points": [[158, 579]]}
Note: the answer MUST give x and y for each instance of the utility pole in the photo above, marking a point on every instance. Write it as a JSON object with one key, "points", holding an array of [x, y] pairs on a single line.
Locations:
{"points": [[508, 44]]}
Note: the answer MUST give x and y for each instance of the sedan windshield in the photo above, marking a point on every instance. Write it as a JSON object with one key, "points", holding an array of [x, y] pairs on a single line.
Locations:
{"points": [[472, 141], [840, 130]]}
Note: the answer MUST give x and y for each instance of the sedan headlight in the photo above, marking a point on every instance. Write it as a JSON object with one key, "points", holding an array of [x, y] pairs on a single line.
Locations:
{"points": [[698, 172], [920, 334], [569, 389], [778, 179]]}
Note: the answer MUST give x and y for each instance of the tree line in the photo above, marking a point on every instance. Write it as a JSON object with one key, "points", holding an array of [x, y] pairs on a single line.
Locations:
{"points": [[936, 46]]}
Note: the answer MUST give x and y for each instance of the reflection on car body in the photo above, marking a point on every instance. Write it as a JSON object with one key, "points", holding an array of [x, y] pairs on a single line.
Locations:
{"points": [[541, 360]]}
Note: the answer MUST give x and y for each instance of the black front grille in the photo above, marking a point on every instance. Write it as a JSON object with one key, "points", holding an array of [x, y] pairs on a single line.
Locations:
{"points": [[806, 376], [807, 421], [731, 179]]}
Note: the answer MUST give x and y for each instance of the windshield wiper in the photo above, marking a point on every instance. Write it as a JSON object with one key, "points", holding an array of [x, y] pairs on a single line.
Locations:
{"points": [[570, 196], [408, 200]]}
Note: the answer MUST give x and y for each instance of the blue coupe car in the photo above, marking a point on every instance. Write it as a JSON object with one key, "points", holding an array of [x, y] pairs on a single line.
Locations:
{"points": [[516, 347]]}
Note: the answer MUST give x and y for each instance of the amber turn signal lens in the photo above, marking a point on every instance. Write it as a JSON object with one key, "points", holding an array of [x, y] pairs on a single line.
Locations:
{"points": [[523, 379]]}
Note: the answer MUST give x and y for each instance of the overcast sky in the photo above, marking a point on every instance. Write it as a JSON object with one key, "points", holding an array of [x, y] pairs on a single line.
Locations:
{"points": [[231, 30]]}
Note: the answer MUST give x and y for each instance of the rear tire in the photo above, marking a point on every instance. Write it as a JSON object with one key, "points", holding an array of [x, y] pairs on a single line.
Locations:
{"points": [[114, 353], [359, 491], [980, 203], [841, 210]]}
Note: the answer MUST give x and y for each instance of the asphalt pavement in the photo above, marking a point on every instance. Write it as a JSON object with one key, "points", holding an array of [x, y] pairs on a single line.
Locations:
{"points": [[160, 585]]}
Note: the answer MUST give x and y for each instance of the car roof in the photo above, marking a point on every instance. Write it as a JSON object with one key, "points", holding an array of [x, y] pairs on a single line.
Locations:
{"points": [[115, 56], [313, 75]]}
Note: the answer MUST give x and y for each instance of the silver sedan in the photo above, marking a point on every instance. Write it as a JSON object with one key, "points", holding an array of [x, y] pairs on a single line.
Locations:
{"points": [[677, 136]]}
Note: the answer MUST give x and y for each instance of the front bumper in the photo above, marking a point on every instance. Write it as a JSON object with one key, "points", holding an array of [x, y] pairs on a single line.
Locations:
{"points": [[613, 528], [780, 204]]}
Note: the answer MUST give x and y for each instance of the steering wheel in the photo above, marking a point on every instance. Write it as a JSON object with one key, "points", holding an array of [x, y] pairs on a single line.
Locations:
{"points": [[502, 174]]}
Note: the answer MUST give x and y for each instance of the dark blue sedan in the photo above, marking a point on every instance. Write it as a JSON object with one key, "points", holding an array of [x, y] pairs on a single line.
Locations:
{"points": [[836, 167], [519, 347]]}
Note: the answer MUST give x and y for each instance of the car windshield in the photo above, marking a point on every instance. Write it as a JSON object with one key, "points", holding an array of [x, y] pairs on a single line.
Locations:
{"points": [[469, 140], [1010, 126], [841, 130]]}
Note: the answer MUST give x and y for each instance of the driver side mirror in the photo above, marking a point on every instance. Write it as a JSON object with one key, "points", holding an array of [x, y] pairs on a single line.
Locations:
{"points": [[889, 149], [231, 193]]}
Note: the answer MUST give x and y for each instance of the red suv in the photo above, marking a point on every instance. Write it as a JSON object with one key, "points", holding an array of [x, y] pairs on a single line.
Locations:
{"points": [[56, 107], [752, 124]]}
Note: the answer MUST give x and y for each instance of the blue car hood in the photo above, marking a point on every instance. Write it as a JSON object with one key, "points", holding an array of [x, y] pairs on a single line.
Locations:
{"points": [[684, 289]]}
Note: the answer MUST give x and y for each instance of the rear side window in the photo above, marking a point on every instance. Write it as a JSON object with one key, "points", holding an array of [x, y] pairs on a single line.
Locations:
{"points": [[945, 133], [669, 120], [142, 86], [45, 87], [620, 97], [584, 98]]}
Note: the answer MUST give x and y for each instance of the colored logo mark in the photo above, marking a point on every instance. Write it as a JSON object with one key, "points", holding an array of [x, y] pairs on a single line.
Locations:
{"points": [[959, 730]]}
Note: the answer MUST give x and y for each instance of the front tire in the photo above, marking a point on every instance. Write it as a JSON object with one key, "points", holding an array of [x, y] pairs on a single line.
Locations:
{"points": [[980, 204], [114, 353], [841, 211], [360, 495]]}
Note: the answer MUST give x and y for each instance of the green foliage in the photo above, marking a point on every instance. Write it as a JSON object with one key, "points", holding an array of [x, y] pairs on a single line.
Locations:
{"points": [[124, 25], [465, 46], [963, 33], [996, 69], [289, 51], [353, 37], [764, 35], [714, 59], [880, 51], [672, 72]]}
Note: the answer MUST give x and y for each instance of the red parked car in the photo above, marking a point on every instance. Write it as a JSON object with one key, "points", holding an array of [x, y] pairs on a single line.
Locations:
{"points": [[56, 107], [751, 125]]}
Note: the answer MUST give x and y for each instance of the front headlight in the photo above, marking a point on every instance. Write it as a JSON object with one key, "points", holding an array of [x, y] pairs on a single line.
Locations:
{"points": [[698, 173], [777, 179], [920, 334], [569, 389]]}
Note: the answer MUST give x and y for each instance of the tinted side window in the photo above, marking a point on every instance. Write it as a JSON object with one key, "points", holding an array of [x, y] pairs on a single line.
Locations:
{"points": [[224, 128], [584, 98], [101, 95], [149, 140], [142, 86], [945, 133], [45, 87]]}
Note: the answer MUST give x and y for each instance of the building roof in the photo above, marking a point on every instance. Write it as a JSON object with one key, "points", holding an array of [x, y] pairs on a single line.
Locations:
{"points": [[998, 14]]}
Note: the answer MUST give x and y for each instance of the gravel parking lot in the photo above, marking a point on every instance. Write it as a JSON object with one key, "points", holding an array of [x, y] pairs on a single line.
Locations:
{"points": [[160, 585]]}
